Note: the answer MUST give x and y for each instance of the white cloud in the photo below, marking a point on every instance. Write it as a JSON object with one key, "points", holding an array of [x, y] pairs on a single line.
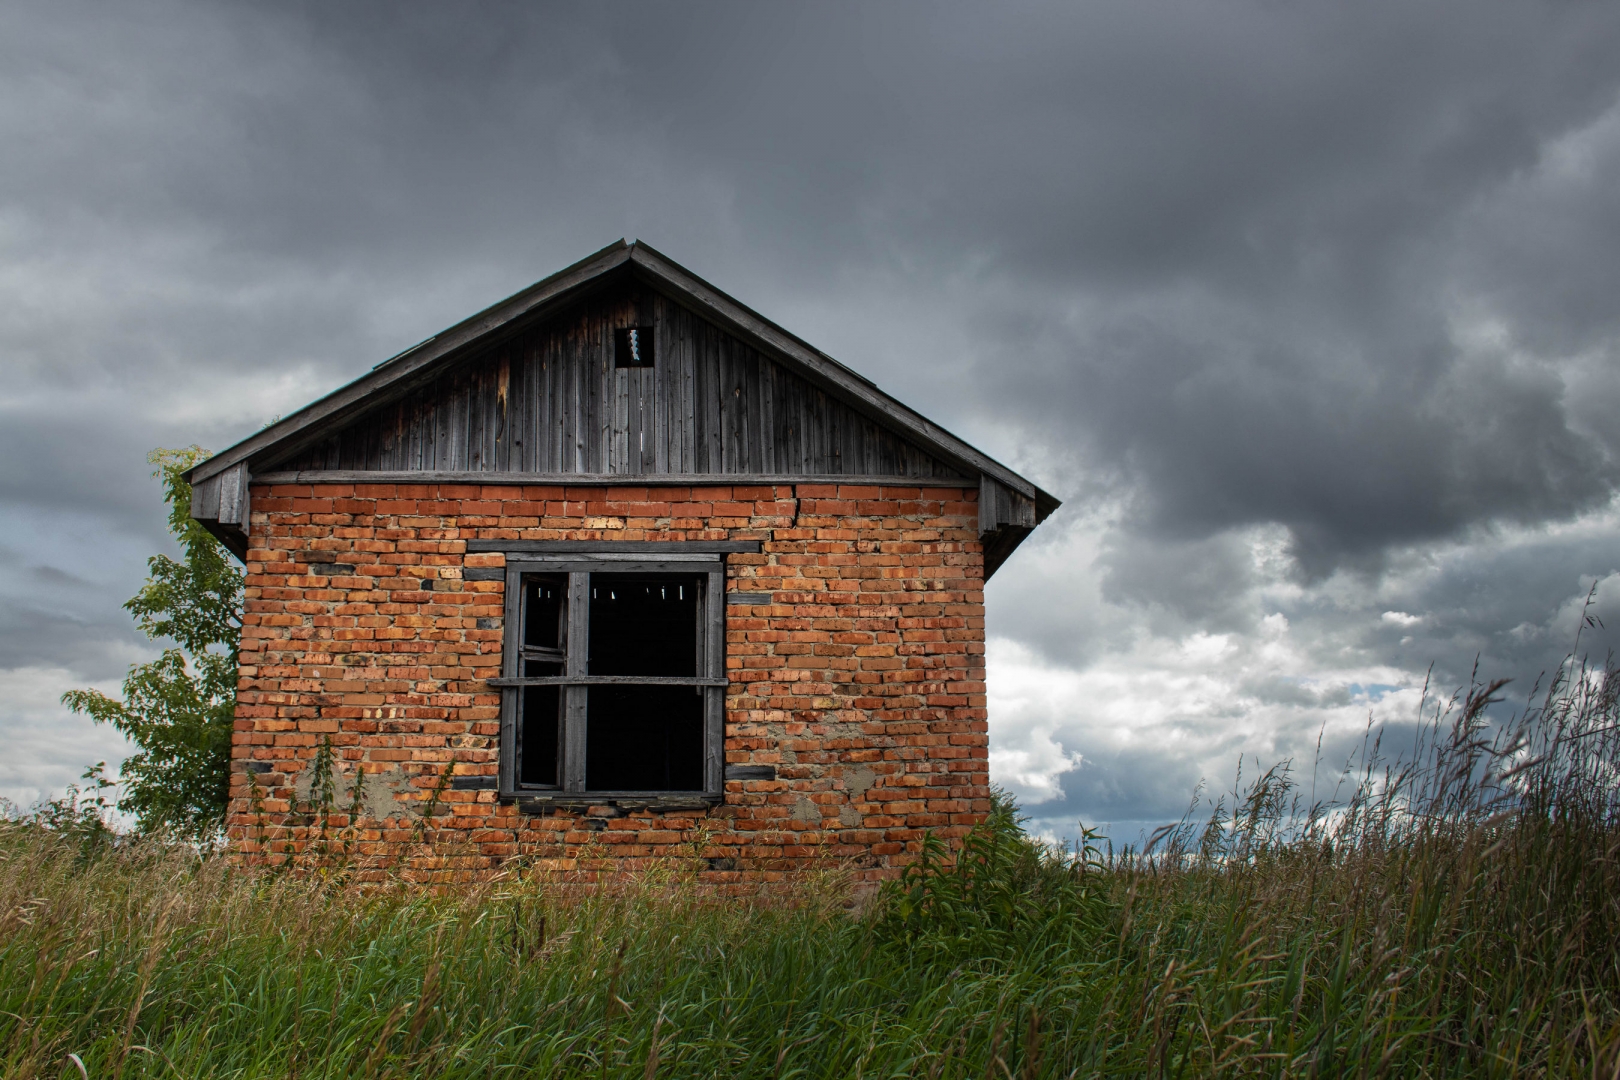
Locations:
{"points": [[47, 747]]}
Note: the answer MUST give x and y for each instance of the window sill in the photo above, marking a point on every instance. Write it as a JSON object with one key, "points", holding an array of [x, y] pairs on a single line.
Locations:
{"points": [[545, 804]]}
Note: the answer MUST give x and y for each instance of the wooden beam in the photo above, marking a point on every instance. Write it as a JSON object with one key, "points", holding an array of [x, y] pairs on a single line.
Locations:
{"points": [[362, 476], [652, 547]]}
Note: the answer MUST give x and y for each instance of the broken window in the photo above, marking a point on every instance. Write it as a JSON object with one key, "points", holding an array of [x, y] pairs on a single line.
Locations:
{"points": [[614, 676], [633, 347]]}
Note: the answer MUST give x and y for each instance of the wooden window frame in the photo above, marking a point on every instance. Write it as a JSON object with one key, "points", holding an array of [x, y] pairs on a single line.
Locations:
{"points": [[578, 561]]}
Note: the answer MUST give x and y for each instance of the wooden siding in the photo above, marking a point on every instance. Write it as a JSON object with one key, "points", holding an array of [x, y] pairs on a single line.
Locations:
{"points": [[549, 401]]}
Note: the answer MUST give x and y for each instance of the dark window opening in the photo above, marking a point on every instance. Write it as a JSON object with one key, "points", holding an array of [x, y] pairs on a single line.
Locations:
{"points": [[540, 736], [625, 691], [644, 738], [543, 621], [644, 624], [633, 347]]}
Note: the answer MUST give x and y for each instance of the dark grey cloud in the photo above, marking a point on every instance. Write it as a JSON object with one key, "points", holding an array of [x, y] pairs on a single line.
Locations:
{"points": [[1307, 310]]}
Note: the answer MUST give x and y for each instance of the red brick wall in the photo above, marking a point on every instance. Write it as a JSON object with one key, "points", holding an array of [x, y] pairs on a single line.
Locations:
{"points": [[862, 682]]}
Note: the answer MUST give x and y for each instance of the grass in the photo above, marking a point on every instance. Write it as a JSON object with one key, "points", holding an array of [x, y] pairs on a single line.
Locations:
{"points": [[1454, 915]]}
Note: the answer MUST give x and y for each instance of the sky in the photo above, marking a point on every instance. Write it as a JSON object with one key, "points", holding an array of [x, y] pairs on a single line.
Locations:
{"points": [[1306, 311]]}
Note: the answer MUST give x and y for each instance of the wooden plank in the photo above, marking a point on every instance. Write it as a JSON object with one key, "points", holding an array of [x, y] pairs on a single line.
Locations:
{"points": [[602, 383], [662, 383], [989, 512], [768, 428], [619, 462], [511, 650], [205, 499], [451, 476], [646, 433], [687, 417], [625, 800], [603, 680], [714, 655], [231, 490], [576, 697], [715, 547], [650, 564]]}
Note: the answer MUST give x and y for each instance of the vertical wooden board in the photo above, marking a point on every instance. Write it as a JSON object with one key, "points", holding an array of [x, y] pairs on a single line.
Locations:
{"points": [[477, 384], [545, 416], [988, 497], [230, 494], [422, 434], [574, 406], [511, 642], [574, 719], [686, 414], [444, 447], [643, 388], [617, 463], [726, 415], [804, 421], [545, 400], [541, 428], [460, 435], [432, 429], [205, 499], [557, 405], [790, 402], [737, 402], [481, 421], [443, 425], [502, 457], [714, 697], [696, 413], [539, 425], [660, 392], [713, 416], [787, 441], [815, 424], [517, 422], [767, 416], [602, 391], [754, 395], [838, 431], [386, 426]]}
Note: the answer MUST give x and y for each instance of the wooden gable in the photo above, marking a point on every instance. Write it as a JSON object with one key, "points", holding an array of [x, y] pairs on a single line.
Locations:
{"points": [[553, 400], [529, 391]]}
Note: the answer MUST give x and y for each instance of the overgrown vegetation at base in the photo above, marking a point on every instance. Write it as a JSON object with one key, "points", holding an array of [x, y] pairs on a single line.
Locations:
{"points": [[1455, 916]]}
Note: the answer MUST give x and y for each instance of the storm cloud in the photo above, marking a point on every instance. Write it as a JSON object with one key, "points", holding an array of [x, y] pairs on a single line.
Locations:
{"points": [[1306, 311]]}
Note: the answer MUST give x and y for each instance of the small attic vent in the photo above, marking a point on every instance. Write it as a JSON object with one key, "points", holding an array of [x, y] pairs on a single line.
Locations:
{"points": [[633, 347]]}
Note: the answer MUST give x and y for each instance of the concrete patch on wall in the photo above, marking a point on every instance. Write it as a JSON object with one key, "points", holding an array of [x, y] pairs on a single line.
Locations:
{"points": [[379, 795]]}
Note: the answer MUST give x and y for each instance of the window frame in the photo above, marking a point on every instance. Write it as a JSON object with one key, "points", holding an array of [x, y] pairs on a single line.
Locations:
{"points": [[578, 561]]}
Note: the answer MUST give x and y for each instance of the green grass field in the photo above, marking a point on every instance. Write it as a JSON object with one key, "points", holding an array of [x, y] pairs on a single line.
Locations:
{"points": [[1456, 915]]}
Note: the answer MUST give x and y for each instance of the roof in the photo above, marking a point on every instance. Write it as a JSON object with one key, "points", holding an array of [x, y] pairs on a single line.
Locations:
{"points": [[280, 440]]}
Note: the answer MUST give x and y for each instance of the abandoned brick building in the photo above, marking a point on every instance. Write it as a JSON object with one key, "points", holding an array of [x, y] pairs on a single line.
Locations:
{"points": [[614, 570]]}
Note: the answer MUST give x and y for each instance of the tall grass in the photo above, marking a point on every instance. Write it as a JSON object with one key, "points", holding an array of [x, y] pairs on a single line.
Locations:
{"points": [[1454, 914]]}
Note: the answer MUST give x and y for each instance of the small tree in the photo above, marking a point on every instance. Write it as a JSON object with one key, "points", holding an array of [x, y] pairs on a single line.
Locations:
{"points": [[179, 708]]}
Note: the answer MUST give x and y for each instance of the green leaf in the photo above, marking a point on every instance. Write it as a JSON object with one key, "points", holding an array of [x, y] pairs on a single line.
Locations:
{"points": [[179, 710]]}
